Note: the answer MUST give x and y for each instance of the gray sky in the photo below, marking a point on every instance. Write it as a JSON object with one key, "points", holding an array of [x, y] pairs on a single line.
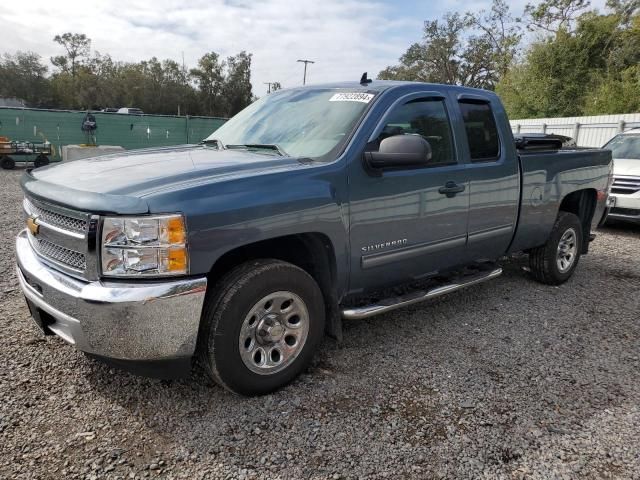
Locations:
{"points": [[344, 37]]}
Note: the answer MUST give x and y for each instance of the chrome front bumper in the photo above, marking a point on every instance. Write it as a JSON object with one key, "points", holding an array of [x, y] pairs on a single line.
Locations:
{"points": [[137, 321]]}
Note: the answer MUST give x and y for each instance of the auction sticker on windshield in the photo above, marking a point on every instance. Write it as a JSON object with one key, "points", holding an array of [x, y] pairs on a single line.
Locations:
{"points": [[352, 97]]}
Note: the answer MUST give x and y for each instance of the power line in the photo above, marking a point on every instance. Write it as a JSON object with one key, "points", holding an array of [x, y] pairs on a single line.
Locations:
{"points": [[304, 78], [268, 84]]}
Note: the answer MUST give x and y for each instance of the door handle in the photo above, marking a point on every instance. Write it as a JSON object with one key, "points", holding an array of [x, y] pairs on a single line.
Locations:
{"points": [[451, 189]]}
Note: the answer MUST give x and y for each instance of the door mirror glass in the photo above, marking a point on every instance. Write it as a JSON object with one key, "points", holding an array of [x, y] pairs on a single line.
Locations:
{"points": [[400, 151]]}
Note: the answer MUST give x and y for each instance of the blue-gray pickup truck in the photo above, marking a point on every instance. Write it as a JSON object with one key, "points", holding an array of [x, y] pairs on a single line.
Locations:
{"points": [[312, 206]]}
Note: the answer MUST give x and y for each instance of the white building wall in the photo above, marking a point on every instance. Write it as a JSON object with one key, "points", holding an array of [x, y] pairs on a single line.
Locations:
{"points": [[591, 131]]}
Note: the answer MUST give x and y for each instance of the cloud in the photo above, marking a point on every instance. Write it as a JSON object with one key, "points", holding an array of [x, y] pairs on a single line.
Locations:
{"points": [[343, 37]]}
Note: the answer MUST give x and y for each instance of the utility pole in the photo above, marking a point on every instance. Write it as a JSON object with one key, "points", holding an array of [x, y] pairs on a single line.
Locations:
{"points": [[268, 84], [304, 79], [184, 84]]}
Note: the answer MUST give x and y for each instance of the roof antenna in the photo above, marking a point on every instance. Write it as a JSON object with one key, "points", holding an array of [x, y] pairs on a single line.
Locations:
{"points": [[364, 80]]}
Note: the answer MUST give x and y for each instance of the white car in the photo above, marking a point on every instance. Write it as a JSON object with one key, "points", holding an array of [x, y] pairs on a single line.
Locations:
{"points": [[130, 110], [625, 190]]}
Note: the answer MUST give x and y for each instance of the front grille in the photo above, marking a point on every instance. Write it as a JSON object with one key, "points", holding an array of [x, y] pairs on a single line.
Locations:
{"points": [[63, 237], [625, 185], [56, 219], [65, 256]]}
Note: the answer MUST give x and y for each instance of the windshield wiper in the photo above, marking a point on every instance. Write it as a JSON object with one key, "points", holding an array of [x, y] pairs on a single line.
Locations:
{"points": [[214, 141], [261, 146]]}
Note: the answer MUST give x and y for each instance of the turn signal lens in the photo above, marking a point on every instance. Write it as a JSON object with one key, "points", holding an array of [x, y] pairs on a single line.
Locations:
{"points": [[172, 231], [174, 260]]}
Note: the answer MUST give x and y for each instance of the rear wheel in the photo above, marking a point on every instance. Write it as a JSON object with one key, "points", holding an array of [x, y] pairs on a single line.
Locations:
{"points": [[554, 262], [261, 326], [41, 161], [7, 163]]}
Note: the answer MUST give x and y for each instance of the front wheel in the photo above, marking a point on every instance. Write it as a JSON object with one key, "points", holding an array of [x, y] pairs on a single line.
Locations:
{"points": [[261, 326], [554, 262]]}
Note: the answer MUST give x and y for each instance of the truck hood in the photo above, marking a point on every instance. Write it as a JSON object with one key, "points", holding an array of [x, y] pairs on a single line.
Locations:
{"points": [[626, 167], [118, 183]]}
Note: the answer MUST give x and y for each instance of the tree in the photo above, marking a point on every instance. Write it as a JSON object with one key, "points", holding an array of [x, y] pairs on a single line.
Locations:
{"points": [[437, 58], [550, 82], [105, 76], [500, 32], [616, 94], [209, 78], [77, 46], [625, 9], [474, 49], [276, 86], [554, 15], [174, 88], [85, 80], [590, 69], [616, 87], [23, 76], [237, 85]]}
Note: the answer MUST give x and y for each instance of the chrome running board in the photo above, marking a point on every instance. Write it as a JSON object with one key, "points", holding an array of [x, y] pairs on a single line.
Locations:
{"points": [[389, 304]]}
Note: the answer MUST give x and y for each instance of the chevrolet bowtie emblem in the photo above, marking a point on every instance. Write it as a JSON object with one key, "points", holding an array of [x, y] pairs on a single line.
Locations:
{"points": [[33, 227]]}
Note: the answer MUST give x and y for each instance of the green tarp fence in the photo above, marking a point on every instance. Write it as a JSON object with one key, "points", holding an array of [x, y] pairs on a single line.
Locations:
{"points": [[62, 127]]}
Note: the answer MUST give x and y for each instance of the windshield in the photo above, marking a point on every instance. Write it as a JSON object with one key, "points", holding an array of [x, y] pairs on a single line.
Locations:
{"points": [[311, 123], [625, 146]]}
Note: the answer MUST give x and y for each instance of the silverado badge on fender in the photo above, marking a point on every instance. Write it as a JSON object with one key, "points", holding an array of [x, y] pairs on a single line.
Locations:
{"points": [[33, 227], [379, 246]]}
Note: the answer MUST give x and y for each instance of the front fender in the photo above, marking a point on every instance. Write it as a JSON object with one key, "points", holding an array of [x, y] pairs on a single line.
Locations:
{"points": [[227, 215]]}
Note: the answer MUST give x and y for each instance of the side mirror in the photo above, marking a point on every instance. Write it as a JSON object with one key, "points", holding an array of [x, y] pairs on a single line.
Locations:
{"points": [[400, 151]]}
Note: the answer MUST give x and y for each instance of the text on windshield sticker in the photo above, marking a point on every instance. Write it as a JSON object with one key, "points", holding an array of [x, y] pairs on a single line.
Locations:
{"points": [[352, 97]]}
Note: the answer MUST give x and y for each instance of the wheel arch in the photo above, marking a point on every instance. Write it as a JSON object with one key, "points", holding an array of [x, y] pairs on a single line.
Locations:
{"points": [[581, 203], [311, 251]]}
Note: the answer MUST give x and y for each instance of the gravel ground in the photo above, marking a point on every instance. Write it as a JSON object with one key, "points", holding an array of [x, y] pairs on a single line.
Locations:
{"points": [[509, 379]]}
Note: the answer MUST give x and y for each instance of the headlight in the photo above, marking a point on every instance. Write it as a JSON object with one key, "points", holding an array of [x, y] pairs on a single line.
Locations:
{"points": [[134, 246]]}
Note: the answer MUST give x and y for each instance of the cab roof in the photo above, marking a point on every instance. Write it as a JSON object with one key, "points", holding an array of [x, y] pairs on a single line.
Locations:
{"points": [[382, 85]]}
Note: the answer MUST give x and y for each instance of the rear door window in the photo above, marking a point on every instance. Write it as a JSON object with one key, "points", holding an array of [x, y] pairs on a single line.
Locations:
{"points": [[482, 132]]}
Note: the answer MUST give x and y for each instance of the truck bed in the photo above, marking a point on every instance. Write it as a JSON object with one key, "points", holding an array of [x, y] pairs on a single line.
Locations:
{"points": [[546, 178]]}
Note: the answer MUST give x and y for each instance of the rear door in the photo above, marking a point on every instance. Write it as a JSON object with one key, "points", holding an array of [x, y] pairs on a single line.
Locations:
{"points": [[403, 224], [494, 181]]}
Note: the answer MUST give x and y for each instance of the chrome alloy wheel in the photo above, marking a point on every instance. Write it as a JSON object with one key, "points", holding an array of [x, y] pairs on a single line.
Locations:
{"points": [[274, 333], [567, 249]]}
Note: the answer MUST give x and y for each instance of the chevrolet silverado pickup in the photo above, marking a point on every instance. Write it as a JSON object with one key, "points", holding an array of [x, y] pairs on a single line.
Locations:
{"points": [[312, 206]]}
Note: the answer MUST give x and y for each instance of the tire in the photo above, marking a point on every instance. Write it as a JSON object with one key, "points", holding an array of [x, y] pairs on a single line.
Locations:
{"points": [[554, 262], [252, 350], [7, 163], [41, 161]]}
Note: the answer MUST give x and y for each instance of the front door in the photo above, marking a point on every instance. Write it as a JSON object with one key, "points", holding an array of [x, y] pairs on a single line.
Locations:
{"points": [[411, 222]]}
